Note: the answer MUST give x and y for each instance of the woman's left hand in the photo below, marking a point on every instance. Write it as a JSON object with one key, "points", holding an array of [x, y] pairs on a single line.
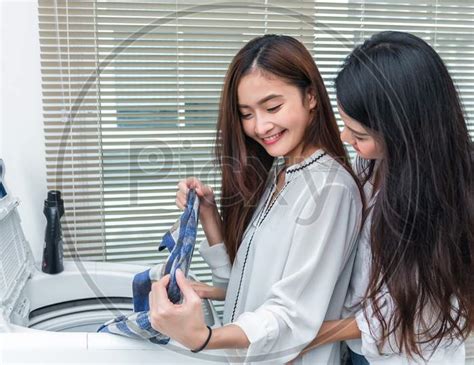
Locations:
{"points": [[182, 322]]}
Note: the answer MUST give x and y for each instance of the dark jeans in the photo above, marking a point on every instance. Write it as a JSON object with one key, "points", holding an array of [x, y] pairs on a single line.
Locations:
{"points": [[356, 359]]}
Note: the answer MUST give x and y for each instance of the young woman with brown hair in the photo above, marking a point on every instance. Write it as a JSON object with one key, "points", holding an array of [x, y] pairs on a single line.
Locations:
{"points": [[282, 247]]}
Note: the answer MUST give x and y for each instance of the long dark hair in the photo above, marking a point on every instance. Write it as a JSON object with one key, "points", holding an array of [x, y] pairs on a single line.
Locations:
{"points": [[244, 163], [422, 232]]}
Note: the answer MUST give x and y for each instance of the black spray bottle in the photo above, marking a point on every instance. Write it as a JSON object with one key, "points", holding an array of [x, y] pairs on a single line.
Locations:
{"points": [[53, 240]]}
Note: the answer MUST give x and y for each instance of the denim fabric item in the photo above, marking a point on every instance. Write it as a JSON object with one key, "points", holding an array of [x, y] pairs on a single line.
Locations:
{"points": [[180, 241], [141, 286], [356, 359]]}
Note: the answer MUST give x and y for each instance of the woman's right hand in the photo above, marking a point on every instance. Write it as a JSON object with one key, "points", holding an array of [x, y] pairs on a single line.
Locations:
{"points": [[204, 192], [207, 291]]}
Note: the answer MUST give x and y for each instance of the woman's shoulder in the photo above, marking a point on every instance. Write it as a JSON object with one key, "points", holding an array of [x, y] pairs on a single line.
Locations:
{"points": [[321, 176], [333, 172]]}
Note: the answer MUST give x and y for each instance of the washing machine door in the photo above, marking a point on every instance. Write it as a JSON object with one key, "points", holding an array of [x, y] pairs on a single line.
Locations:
{"points": [[81, 298], [86, 295]]}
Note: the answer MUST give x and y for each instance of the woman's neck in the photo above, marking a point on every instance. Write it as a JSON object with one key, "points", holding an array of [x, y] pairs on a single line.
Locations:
{"points": [[296, 158]]}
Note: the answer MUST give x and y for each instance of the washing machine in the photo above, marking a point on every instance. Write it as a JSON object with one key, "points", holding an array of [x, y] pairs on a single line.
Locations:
{"points": [[53, 319]]}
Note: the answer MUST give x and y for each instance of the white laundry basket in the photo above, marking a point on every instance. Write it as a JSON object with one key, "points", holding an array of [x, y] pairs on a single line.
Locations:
{"points": [[16, 264]]}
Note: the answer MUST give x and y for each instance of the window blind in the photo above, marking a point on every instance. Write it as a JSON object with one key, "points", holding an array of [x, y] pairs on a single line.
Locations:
{"points": [[131, 92]]}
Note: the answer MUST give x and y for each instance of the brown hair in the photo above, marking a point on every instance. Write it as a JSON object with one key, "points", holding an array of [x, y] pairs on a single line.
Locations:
{"points": [[245, 165]]}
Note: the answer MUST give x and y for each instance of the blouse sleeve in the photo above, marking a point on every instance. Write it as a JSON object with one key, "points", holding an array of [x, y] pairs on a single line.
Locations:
{"points": [[448, 352], [218, 260], [371, 330], [296, 307], [367, 322]]}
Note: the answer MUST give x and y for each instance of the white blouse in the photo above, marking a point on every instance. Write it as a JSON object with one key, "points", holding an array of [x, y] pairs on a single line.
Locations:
{"points": [[447, 354], [293, 267]]}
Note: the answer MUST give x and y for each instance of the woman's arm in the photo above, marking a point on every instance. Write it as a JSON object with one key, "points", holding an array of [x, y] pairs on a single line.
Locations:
{"points": [[185, 322], [211, 223], [334, 331], [227, 337], [206, 291], [214, 253]]}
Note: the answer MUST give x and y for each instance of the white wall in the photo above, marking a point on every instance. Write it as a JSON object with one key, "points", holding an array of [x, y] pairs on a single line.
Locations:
{"points": [[21, 124]]}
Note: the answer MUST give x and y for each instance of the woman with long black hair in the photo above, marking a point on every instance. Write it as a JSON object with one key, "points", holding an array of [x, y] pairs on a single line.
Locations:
{"points": [[411, 297]]}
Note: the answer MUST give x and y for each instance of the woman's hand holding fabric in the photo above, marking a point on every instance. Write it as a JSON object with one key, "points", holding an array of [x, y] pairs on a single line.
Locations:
{"points": [[182, 322]]}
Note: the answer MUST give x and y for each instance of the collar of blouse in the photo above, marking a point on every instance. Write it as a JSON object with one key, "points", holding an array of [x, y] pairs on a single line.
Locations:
{"points": [[294, 170]]}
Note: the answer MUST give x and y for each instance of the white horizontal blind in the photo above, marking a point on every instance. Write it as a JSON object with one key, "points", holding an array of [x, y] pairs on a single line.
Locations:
{"points": [[131, 91]]}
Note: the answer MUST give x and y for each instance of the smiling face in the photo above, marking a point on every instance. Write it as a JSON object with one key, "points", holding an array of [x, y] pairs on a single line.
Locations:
{"points": [[274, 114], [364, 143]]}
